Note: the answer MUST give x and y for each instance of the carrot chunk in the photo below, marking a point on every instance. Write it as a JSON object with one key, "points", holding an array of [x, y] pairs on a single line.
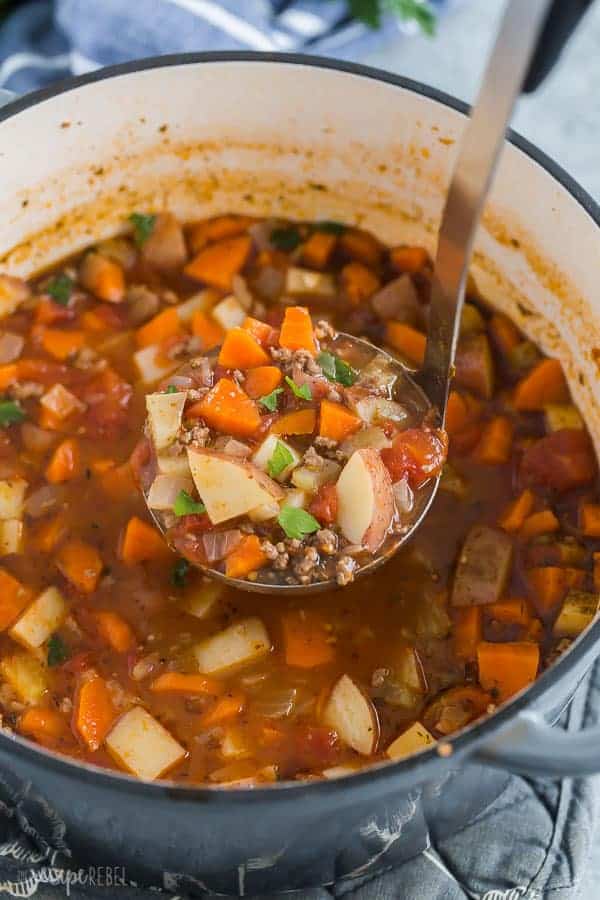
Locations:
{"points": [[164, 325], [103, 277], [318, 248], [14, 597], [218, 263], [240, 350], [65, 463], [246, 557], [94, 711], [217, 229], [545, 384], [81, 564], [114, 630], [180, 683], [228, 409], [44, 725], [467, 632], [297, 330], [117, 482], [361, 245], [513, 611], [549, 584], [407, 341], [142, 543], [262, 331], [504, 333], [62, 344], [544, 522], [409, 259], [301, 421], [359, 282], [306, 641], [50, 533], [336, 422], [495, 444], [226, 707], [262, 381], [457, 413], [8, 375], [205, 328], [505, 669], [517, 511], [589, 515]]}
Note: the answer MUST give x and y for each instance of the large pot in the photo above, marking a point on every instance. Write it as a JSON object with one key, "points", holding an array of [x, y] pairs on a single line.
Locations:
{"points": [[310, 139]]}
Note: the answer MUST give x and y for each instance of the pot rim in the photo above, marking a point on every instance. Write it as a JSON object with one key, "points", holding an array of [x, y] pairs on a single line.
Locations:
{"points": [[469, 737]]}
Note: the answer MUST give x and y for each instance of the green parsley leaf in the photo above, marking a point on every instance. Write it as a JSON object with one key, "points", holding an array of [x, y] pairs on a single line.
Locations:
{"points": [[58, 651], [186, 506], [171, 389], [143, 226], [287, 238], [60, 288], [280, 460], [296, 522], [10, 413], [337, 369], [302, 391], [418, 11], [330, 227], [368, 11], [179, 573], [269, 401]]}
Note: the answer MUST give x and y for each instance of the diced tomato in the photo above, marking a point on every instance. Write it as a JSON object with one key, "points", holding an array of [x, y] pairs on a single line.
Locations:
{"points": [[108, 397], [77, 663], [309, 747], [562, 460], [114, 317], [47, 312], [44, 372], [324, 504], [417, 454], [186, 537]]}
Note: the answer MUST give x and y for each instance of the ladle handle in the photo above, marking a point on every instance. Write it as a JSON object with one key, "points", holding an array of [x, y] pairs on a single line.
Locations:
{"points": [[560, 24], [474, 168]]}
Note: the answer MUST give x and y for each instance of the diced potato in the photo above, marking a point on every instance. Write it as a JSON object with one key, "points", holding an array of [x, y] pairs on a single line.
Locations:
{"points": [[164, 417], [229, 313], [119, 249], [410, 741], [352, 715], [165, 488], [578, 611], [11, 536], [61, 402], [234, 744], [371, 436], [12, 495], [177, 466], [239, 644], [340, 771], [379, 409], [230, 487], [310, 480], [452, 482], [305, 281], [365, 499], [483, 567], [560, 416], [26, 676], [296, 498], [200, 600], [265, 512], [140, 744], [40, 619], [202, 301], [267, 449], [152, 365], [13, 292], [243, 774]]}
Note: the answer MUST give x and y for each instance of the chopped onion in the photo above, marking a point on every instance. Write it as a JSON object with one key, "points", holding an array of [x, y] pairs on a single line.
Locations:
{"points": [[43, 500], [218, 544], [275, 702], [398, 300], [269, 282], [232, 447], [142, 302], [404, 497], [241, 292], [35, 439], [11, 346], [184, 382], [165, 489]]}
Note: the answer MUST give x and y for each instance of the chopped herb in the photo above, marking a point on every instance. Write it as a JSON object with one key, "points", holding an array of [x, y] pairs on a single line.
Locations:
{"points": [[179, 573], [60, 288], [10, 413], [286, 239], [58, 651], [186, 506], [301, 391], [370, 12], [143, 226], [171, 389], [336, 369], [330, 227], [270, 400], [296, 522], [280, 460]]}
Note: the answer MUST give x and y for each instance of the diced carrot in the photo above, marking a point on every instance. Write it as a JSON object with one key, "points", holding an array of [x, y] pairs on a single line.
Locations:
{"points": [[218, 263], [103, 277], [517, 511], [8, 375], [164, 325], [512, 611], [301, 421], [180, 683], [336, 422], [246, 557], [81, 564], [114, 630], [228, 409], [100, 466], [65, 462], [91, 321], [240, 350], [361, 245], [117, 482], [49, 533], [46, 726], [217, 229], [307, 643], [14, 597], [94, 711], [359, 282], [549, 584], [262, 381], [543, 522], [297, 330], [589, 517], [205, 328], [545, 384], [318, 248], [142, 543], [49, 421], [262, 331], [495, 445], [596, 570], [62, 344], [466, 632], [457, 413], [406, 340], [505, 669], [504, 333], [535, 630], [226, 707], [47, 312], [409, 259]]}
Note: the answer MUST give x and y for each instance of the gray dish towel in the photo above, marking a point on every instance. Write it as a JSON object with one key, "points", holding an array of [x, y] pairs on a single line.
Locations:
{"points": [[535, 842]]}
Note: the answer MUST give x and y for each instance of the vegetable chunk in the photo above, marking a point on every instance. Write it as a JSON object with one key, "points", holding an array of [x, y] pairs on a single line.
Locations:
{"points": [[229, 487], [483, 567], [240, 644], [142, 746]]}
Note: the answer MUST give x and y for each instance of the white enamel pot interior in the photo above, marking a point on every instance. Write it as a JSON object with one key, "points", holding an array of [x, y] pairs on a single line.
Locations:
{"points": [[301, 138]]}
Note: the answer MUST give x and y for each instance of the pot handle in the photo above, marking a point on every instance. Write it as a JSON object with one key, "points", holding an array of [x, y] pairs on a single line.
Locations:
{"points": [[6, 97], [530, 746], [560, 24]]}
